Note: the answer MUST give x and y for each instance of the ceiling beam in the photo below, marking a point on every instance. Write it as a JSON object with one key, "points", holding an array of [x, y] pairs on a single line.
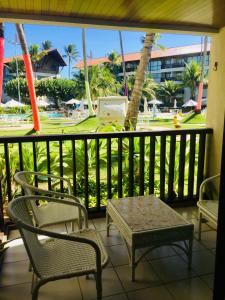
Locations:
{"points": [[107, 24]]}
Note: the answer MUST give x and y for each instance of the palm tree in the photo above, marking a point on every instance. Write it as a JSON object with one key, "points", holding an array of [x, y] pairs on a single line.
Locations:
{"points": [[169, 89], [29, 76], [133, 107], [114, 61], [87, 87], [72, 54], [123, 65], [36, 55], [46, 45], [191, 77], [1, 58]]}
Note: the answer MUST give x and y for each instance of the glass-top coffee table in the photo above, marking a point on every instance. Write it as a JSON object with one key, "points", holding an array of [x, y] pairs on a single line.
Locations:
{"points": [[146, 221]]}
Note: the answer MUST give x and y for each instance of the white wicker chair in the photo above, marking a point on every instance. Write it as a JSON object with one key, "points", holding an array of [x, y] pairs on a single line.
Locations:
{"points": [[208, 209], [58, 255], [49, 213]]}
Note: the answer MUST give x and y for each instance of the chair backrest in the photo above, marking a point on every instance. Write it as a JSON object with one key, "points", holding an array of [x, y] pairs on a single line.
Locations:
{"points": [[20, 215]]}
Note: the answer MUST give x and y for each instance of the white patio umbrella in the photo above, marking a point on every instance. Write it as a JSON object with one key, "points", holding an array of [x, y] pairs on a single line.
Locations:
{"points": [[155, 101], [72, 101], [190, 103], [13, 103], [42, 103]]}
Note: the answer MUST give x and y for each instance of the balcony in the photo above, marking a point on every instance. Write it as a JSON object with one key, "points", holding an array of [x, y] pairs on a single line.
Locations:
{"points": [[162, 275], [169, 164]]}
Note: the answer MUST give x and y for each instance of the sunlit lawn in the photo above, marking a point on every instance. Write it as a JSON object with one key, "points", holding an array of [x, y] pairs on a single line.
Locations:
{"points": [[65, 126]]}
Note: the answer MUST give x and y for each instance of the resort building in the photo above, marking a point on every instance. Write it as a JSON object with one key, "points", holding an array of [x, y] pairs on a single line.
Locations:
{"points": [[165, 64], [47, 67]]}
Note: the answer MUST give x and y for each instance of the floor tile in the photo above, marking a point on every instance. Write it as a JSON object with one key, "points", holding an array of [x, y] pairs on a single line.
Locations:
{"points": [[188, 213], [21, 291], [197, 246], [118, 255], [155, 293], [110, 283], [172, 268], [205, 226], [113, 239], [15, 273], [203, 262], [144, 276], [208, 279], [163, 251], [15, 252], [190, 289], [66, 289], [100, 224], [116, 297], [208, 239]]}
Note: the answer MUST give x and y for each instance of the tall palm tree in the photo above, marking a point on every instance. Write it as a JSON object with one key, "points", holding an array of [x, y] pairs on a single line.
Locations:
{"points": [[133, 107], [87, 87], [169, 89], [191, 77], [72, 54], [36, 55], [1, 58], [123, 65], [46, 45], [29, 76]]}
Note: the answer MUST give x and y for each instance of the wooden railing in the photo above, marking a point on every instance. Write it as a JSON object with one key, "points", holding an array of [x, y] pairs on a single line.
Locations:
{"points": [[168, 163]]}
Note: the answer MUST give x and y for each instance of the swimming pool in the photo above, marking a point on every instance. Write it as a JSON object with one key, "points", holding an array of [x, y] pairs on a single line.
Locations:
{"points": [[20, 117]]}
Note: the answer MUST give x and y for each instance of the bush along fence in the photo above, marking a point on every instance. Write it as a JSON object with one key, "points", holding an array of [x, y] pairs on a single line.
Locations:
{"points": [[169, 164]]}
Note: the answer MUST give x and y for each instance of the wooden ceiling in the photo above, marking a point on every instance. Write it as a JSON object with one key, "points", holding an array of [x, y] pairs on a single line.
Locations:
{"points": [[183, 15]]}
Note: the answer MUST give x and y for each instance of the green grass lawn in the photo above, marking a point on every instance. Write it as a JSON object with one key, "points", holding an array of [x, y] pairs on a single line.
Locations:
{"points": [[65, 126]]}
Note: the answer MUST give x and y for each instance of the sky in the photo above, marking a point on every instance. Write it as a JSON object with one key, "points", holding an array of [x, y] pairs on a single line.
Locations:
{"points": [[99, 42]]}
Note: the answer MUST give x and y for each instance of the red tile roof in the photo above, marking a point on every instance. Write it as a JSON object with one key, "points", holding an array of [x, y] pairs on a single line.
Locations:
{"points": [[10, 59], [155, 54]]}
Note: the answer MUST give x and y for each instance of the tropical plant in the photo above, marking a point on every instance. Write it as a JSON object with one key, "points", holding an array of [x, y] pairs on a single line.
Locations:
{"points": [[191, 77], [169, 90], [12, 89], [36, 55], [133, 107], [114, 62], [72, 54], [102, 82], [12, 67], [46, 45]]}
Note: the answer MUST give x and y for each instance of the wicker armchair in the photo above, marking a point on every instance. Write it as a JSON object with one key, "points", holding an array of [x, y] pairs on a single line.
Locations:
{"points": [[58, 255], [49, 213], [208, 209]]}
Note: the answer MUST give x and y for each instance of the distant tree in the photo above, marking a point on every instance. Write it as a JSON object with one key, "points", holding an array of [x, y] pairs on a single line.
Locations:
{"points": [[36, 54], [169, 90], [191, 77], [46, 45], [12, 67], [114, 61], [72, 54]]}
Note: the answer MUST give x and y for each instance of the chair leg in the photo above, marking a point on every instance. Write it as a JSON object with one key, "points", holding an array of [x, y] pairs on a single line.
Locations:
{"points": [[200, 226], [98, 279]]}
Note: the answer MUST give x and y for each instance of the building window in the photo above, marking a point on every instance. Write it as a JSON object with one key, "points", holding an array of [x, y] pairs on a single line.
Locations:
{"points": [[155, 65], [156, 77]]}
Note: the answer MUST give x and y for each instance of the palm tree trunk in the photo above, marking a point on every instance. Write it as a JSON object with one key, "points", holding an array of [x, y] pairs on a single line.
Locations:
{"points": [[87, 88], [133, 107], [69, 66], [29, 76], [123, 65], [1, 58], [201, 84]]}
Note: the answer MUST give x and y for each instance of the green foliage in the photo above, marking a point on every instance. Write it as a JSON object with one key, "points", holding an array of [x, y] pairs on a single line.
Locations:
{"points": [[18, 110], [12, 89], [169, 90], [12, 67], [57, 90], [46, 45]]}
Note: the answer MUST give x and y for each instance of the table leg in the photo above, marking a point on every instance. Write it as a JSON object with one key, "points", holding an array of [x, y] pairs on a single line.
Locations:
{"points": [[133, 263], [190, 253]]}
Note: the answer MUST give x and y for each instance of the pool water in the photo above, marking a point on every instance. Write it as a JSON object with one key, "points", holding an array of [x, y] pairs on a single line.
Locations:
{"points": [[20, 117]]}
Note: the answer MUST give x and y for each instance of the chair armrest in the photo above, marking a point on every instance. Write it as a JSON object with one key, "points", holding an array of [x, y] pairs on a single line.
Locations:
{"points": [[204, 182]]}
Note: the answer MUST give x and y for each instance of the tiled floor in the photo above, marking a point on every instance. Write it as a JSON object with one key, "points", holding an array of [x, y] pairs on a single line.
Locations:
{"points": [[163, 274]]}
